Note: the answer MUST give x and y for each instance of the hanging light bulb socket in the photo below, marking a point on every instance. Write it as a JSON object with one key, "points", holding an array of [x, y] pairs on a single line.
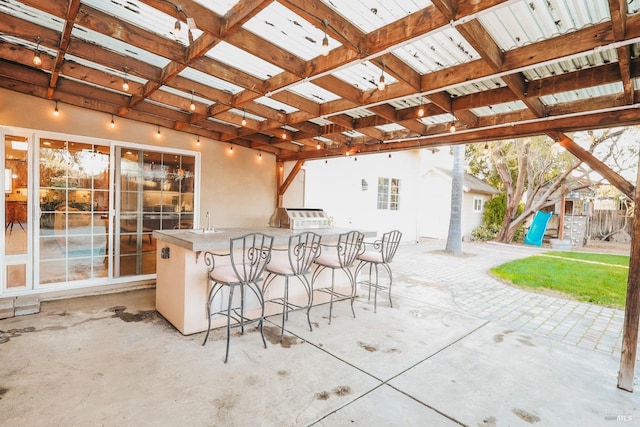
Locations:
{"points": [[56, 112], [192, 106], [112, 124], [452, 128], [37, 61], [381, 83], [244, 117], [198, 141], [158, 133], [325, 40], [421, 108], [177, 26], [125, 81]]}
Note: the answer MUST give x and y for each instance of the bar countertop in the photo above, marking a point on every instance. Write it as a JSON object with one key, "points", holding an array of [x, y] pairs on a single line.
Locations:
{"points": [[200, 240]]}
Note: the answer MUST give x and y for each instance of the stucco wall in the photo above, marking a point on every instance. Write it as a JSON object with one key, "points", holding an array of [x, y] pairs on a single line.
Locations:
{"points": [[237, 188]]}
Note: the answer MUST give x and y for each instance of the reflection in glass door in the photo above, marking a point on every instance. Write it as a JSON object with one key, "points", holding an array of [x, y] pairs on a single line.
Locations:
{"points": [[155, 193], [17, 247], [74, 206]]}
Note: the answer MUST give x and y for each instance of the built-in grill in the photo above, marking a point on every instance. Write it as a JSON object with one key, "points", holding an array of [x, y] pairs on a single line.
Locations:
{"points": [[299, 218]]}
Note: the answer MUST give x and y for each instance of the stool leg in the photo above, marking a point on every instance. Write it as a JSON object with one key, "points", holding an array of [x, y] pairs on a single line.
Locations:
{"points": [[333, 272], [375, 292], [226, 354], [390, 282]]}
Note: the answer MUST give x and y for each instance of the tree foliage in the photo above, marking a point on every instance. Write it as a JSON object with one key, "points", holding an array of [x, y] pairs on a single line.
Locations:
{"points": [[536, 172]]}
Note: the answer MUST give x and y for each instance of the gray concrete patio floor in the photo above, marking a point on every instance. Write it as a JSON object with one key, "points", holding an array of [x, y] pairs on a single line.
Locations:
{"points": [[457, 348]]}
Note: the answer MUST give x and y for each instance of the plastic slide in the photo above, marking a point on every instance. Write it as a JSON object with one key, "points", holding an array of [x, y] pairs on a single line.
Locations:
{"points": [[538, 227]]}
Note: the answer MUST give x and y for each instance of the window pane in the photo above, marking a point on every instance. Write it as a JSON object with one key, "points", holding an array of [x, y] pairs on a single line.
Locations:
{"points": [[383, 193]]}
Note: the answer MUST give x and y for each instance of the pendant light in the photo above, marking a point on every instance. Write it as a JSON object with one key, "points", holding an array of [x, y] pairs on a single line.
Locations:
{"points": [[37, 61]]}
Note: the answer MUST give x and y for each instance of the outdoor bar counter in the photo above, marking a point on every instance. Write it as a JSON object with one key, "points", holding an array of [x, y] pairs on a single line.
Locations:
{"points": [[181, 273]]}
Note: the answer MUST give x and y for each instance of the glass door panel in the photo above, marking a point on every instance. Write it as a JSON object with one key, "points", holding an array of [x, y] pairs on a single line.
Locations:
{"points": [[74, 204], [17, 228], [155, 193]]}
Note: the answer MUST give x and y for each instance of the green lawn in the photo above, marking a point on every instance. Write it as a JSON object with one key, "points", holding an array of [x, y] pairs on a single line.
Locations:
{"points": [[596, 278]]}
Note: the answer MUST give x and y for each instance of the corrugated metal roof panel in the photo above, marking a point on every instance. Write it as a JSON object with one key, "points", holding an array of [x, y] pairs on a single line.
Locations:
{"points": [[529, 21], [221, 7], [137, 13], [578, 63], [289, 31], [476, 87], [276, 105], [582, 94], [440, 118], [364, 76], [369, 15], [28, 13], [506, 107], [243, 60], [210, 80], [359, 113], [314, 92], [437, 51], [118, 46], [391, 127]]}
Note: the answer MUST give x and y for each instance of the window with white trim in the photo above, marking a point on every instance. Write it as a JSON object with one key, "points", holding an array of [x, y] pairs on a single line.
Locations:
{"points": [[388, 193], [477, 204]]}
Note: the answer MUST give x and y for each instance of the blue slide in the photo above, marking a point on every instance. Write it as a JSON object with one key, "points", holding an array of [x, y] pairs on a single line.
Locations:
{"points": [[538, 227]]}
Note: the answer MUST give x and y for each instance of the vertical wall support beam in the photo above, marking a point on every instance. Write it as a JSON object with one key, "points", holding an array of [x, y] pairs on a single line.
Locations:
{"points": [[632, 308], [279, 181]]}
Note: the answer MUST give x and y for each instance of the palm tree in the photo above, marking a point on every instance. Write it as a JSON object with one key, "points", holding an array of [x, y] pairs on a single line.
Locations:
{"points": [[454, 238]]}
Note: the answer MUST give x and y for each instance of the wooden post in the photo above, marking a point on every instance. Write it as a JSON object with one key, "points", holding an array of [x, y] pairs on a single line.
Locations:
{"points": [[279, 180], [632, 307], [561, 219]]}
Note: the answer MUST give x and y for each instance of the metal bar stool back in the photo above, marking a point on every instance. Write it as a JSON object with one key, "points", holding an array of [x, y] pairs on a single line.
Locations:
{"points": [[340, 256], [381, 254], [248, 256], [293, 261]]}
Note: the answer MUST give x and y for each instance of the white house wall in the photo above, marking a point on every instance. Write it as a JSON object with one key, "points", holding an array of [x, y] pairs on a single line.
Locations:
{"points": [[336, 187], [435, 205]]}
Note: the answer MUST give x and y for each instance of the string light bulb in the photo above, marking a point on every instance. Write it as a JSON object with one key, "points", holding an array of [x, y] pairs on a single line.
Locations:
{"points": [[421, 108], [284, 134], [125, 82], [231, 148], [325, 40], [37, 61], [192, 106], [198, 141], [177, 26], [158, 133], [56, 112], [112, 124], [244, 117], [452, 128], [381, 83], [259, 156], [318, 146]]}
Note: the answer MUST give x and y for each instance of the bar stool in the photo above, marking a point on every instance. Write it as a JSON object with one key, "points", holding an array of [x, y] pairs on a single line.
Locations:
{"points": [[381, 253], [293, 261], [340, 256], [248, 254]]}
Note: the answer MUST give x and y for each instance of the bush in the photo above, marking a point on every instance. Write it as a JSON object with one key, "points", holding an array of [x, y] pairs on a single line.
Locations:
{"points": [[494, 211], [485, 232]]}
